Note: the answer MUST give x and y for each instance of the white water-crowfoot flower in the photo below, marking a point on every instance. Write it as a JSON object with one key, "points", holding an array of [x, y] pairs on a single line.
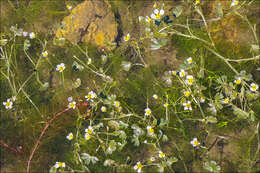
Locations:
{"points": [[225, 101], [238, 81], [59, 165], [72, 105], [70, 136], [8, 104], [234, 3], [189, 79], [116, 104], [253, 87], [150, 131], [182, 73], [68, 6], [155, 96], [87, 136], [161, 154], [103, 109], [189, 60], [89, 61], [187, 93], [138, 167], [127, 37], [195, 142], [70, 99], [44, 54], [32, 35], [60, 67], [25, 34], [152, 159], [148, 19], [147, 112], [89, 130], [91, 95], [187, 105], [157, 14]]}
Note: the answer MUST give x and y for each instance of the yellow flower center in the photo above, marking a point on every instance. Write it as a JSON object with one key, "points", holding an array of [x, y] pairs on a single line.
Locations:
{"points": [[197, 1], [190, 61], [188, 105], [238, 81], [151, 130], [90, 131], [148, 112], [190, 80], [174, 73], [226, 100], [61, 68], [127, 38], [161, 154], [187, 93], [157, 16], [8, 104], [253, 87], [196, 143], [236, 2], [139, 166], [149, 19], [87, 137], [70, 137], [60, 164], [117, 104], [183, 73], [45, 54]]}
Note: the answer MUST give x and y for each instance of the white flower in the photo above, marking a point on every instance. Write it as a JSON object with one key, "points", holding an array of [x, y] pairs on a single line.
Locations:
{"points": [[189, 60], [140, 18], [196, 2], [89, 130], [189, 79], [155, 96], [70, 99], [60, 67], [182, 73], [127, 37], [103, 109], [187, 106], [202, 99], [72, 105], [187, 93], [150, 131], [59, 165], [253, 87], [138, 167], [116, 104], [238, 81], [32, 35], [25, 34], [69, 7], [225, 101], [89, 61], [161, 154], [157, 14], [8, 104], [152, 159], [234, 3], [13, 98], [91, 95], [87, 136], [70, 136], [195, 142], [44, 54], [147, 111], [148, 19]]}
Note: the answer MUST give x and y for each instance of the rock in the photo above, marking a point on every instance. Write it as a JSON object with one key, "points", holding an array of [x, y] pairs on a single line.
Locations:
{"points": [[92, 22]]}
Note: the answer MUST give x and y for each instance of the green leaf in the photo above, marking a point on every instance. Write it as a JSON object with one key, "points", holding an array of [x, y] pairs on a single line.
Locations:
{"points": [[240, 113], [126, 65], [212, 119], [26, 44], [177, 11]]}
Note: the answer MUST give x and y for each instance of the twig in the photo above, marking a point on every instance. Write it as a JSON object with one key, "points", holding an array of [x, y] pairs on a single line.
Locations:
{"points": [[43, 132], [8, 147]]}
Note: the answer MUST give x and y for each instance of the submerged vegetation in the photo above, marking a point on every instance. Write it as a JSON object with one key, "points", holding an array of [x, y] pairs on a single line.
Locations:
{"points": [[176, 91]]}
